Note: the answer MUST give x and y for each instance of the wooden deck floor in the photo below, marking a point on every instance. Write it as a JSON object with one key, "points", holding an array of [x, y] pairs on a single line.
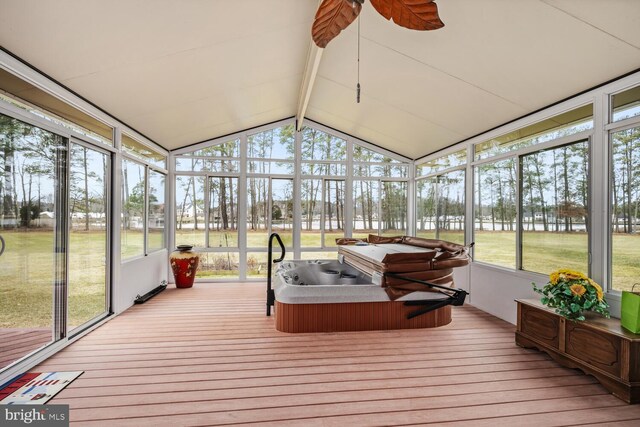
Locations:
{"points": [[209, 356], [16, 343]]}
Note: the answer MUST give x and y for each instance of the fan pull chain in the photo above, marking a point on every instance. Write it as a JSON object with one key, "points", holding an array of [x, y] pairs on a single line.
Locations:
{"points": [[358, 85]]}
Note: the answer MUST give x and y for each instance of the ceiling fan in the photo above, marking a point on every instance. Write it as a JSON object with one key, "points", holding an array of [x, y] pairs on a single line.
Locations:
{"points": [[334, 16]]}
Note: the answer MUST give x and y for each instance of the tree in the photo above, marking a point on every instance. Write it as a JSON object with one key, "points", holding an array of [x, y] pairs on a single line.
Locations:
{"points": [[134, 204], [626, 178], [276, 212], [28, 213]]}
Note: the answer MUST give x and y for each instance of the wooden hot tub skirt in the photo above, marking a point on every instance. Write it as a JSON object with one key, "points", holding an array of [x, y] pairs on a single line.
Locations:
{"points": [[358, 316]]}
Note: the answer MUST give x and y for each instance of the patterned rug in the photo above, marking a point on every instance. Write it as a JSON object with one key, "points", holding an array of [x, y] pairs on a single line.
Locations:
{"points": [[35, 388]]}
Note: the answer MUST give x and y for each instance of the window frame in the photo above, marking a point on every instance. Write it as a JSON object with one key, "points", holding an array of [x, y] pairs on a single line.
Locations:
{"points": [[147, 165], [63, 332], [436, 176], [516, 155], [520, 201], [447, 154], [610, 129], [297, 161]]}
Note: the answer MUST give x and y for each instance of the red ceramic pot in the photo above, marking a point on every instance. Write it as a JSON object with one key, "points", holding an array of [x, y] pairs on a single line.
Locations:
{"points": [[184, 263]]}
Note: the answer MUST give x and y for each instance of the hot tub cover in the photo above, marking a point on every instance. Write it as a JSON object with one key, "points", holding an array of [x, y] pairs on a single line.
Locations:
{"points": [[393, 260]]}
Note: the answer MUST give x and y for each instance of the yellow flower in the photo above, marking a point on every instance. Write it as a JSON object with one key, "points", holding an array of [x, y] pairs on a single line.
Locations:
{"points": [[599, 292], [565, 274], [577, 290], [572, 274]]}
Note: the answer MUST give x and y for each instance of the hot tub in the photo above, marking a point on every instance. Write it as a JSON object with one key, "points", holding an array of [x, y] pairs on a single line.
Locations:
{"points": [[328, 296]]}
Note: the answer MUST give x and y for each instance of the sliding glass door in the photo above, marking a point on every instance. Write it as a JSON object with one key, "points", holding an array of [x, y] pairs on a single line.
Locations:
{"points": [[88, 239], [28, 224], [53, 237]]}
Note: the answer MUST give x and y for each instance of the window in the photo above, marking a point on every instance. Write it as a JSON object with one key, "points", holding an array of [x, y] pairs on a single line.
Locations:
{"points": [[207, 217], [143, 190], [457, 158], [221, 157], [272, 151], [282, 209], [223, 212], [207, 207], [440, 197], [309, 218], [42, 104], [366, 204], [324, 157], [495, 213], [625, 104], [450, 207], [571, 122], [426, 212], [365, 155], [230, 149], [218, 265], [393, 208], [333, 215], [141, 151], [553, 190], [133, 199], [379, 194], [369, 163], [311, 208], [190, 224], [156, 216], [322, 207], [554, 207], [625, 208], [535, 196], [321, 146], [257, 212], [323, 153]]}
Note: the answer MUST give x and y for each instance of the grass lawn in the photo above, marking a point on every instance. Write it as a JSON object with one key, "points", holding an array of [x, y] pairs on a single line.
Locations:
{"points": [[26, 282], [543, 252], [26, 278]]}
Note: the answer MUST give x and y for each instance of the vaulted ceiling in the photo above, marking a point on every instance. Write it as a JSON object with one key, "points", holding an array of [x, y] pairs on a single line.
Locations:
{"points": [[183, 71]]}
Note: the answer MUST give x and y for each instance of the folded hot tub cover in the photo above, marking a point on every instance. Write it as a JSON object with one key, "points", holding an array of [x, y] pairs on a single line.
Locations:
{"points": [[405, 257]]}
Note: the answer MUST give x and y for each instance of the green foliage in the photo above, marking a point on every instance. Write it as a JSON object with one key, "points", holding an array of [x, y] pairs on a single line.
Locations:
{"points": [[276, 212], [570, 293], [28, 213]]}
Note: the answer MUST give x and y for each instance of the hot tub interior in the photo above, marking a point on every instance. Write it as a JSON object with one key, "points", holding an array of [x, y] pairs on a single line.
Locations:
{"points": [[321, 273]]}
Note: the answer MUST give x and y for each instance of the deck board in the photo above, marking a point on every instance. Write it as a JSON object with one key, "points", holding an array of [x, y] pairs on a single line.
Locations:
{"points": [[16, 343], [209, 356]]}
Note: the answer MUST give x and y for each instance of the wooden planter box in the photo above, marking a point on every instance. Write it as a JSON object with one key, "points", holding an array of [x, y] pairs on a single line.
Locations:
{"points": [[597, 346]]}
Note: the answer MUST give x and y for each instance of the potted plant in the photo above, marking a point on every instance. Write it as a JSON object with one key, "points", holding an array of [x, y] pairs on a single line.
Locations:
{"points": [[571, 293]]}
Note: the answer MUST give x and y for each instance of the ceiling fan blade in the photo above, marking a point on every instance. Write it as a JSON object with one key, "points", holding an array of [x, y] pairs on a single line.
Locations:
{"points": [[413, 14], [332, 17]]}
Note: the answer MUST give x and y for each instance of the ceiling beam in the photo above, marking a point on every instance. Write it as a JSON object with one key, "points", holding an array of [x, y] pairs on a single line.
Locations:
{"points": [[308, 79]]}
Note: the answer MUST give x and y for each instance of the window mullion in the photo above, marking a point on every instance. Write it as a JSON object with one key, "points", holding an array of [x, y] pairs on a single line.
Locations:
{"points": [[145, 213], [519, 215]]}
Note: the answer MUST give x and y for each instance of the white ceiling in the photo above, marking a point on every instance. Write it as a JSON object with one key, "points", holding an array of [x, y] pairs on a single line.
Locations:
{"points": [[182, 71]]}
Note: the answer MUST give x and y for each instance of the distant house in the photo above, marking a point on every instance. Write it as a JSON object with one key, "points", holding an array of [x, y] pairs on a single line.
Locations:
{"points": [[46, 219]]}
